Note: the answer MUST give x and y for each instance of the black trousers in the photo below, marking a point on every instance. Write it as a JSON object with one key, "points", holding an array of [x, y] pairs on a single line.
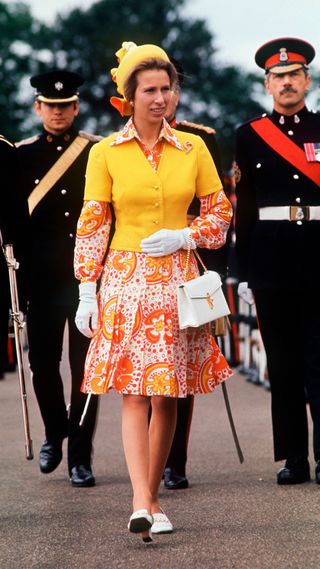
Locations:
{"points": [[4, 313], [46, 324], [289, 322], [178, 454]]}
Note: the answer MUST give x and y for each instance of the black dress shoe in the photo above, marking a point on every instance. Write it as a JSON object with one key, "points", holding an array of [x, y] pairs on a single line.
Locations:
{"points": [[82, 477], [50, 456], [318, 472], [295, 471], [173, 480]]}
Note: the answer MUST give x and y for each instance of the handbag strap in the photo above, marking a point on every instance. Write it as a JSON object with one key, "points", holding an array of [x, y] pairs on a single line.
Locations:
{"points": [[200, 260], [188, 258]]}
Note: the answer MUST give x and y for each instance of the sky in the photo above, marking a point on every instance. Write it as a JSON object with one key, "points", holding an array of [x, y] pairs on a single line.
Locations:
{"points": [[239, 26]]}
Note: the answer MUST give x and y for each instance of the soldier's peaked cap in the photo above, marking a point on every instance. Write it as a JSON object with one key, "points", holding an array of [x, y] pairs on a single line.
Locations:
{"points": [[57, 86], [283, 55]]}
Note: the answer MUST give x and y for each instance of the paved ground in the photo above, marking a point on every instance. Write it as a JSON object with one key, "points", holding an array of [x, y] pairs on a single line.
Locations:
{"points": [[232, 517]]}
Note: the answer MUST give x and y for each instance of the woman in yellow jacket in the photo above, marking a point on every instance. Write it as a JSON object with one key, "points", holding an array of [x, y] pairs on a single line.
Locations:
{"points": [[150, 174]]}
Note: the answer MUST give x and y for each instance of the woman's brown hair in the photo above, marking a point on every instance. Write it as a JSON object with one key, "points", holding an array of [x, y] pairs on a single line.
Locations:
{"points": [[147, 65]]}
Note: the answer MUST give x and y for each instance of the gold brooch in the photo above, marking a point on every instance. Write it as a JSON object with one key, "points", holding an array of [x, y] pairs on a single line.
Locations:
{"points": [[188, 146]]}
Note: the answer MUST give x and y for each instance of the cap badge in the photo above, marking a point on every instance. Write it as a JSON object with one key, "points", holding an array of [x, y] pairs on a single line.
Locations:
{"points": [[58, 85], [283, 54]]}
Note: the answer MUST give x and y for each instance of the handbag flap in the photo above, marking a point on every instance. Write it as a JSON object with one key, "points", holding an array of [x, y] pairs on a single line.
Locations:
{"points": [[208, 283]]}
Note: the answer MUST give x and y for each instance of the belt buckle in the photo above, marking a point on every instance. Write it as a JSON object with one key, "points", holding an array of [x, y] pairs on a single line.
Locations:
{"points": [[299, 213]]}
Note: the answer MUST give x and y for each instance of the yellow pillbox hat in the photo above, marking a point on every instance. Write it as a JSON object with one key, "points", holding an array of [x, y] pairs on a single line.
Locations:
{"points": [[130, 55]]}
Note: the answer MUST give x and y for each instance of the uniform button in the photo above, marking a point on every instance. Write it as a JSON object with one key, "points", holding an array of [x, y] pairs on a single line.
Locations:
{"points": [[63, 192], [66, 213], [299, 222], [59, 148], [156, 221], [156, 187], [296, 176], [258, 165], [71, 235], [290, 132], [156, 204], [298, 200], [37, 181]]}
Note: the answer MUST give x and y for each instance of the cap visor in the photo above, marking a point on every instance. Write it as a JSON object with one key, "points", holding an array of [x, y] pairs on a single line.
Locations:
{"points": [[282, 69], [55, 100]]}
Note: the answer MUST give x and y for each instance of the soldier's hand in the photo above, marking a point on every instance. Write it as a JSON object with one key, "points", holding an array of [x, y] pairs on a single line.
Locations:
{"points": [[245, 293]]}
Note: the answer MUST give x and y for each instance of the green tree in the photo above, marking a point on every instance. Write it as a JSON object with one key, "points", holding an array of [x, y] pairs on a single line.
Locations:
{"points": [[219, 97], [16, 29]]}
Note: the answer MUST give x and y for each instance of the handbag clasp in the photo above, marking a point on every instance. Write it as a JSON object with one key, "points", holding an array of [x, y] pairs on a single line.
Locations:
{"points": [[210, 300]]}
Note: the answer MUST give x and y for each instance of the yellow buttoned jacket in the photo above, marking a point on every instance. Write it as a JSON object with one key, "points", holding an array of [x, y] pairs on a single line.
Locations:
{"points": [[145, 200]]}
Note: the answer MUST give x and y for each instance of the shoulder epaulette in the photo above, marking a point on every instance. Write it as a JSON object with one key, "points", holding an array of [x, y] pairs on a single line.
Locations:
{"points": [[253, 120], [89, 136], [3, 138], [207, 129], [29, 140]]}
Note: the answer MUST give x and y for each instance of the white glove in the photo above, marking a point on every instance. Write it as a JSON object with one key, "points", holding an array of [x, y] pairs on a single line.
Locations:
{"points": [[165, 241], [87, 314], [245, 293]]}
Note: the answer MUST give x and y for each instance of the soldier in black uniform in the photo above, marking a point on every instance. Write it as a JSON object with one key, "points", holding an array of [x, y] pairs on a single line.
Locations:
{"points": [[175, 471], [52, 166], [8, 169], [278, 232]]}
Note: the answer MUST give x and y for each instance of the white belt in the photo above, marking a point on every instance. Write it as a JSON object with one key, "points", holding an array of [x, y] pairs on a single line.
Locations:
{"points": [[290, 213]]}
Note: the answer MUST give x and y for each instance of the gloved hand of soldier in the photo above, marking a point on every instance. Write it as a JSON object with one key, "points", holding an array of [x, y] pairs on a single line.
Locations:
{"points": [[87, 314], [245, 293], [166, 241]]}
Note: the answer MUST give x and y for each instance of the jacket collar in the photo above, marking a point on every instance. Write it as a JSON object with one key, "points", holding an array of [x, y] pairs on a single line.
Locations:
{"points": [[129, 132], [289, 120]]}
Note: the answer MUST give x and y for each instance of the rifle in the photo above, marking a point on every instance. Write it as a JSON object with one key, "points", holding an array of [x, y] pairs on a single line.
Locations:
{"points": [[18, 325]]}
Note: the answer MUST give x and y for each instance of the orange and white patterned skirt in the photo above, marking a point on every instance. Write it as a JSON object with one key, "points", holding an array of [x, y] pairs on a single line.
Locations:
{"points": [[138, 348]]}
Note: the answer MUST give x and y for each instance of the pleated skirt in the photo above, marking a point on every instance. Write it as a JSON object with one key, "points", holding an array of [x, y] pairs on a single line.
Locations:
{"points": [[138, 347]]}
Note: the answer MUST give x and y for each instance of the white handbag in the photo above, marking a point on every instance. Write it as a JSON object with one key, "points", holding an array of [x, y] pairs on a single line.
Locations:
{"points": [[201, 300]]}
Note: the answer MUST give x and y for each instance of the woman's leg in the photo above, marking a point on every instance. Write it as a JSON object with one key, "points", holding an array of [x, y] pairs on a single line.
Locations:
{"points": [[135, 438], [161, 433], [146, 448]]}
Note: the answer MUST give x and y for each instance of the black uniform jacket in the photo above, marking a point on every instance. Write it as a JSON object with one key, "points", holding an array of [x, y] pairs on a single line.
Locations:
{"points": [[52, 225], [213, 259], [8, 176], [276, 253], [8, 169]]}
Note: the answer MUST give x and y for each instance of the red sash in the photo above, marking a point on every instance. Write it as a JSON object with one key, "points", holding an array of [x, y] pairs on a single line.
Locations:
{"points": [[282, 145]]}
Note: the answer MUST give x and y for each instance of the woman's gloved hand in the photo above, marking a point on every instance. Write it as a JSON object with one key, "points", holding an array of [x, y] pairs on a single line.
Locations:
{"points": [[166, 241], [87, 314], [245, 293]]}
